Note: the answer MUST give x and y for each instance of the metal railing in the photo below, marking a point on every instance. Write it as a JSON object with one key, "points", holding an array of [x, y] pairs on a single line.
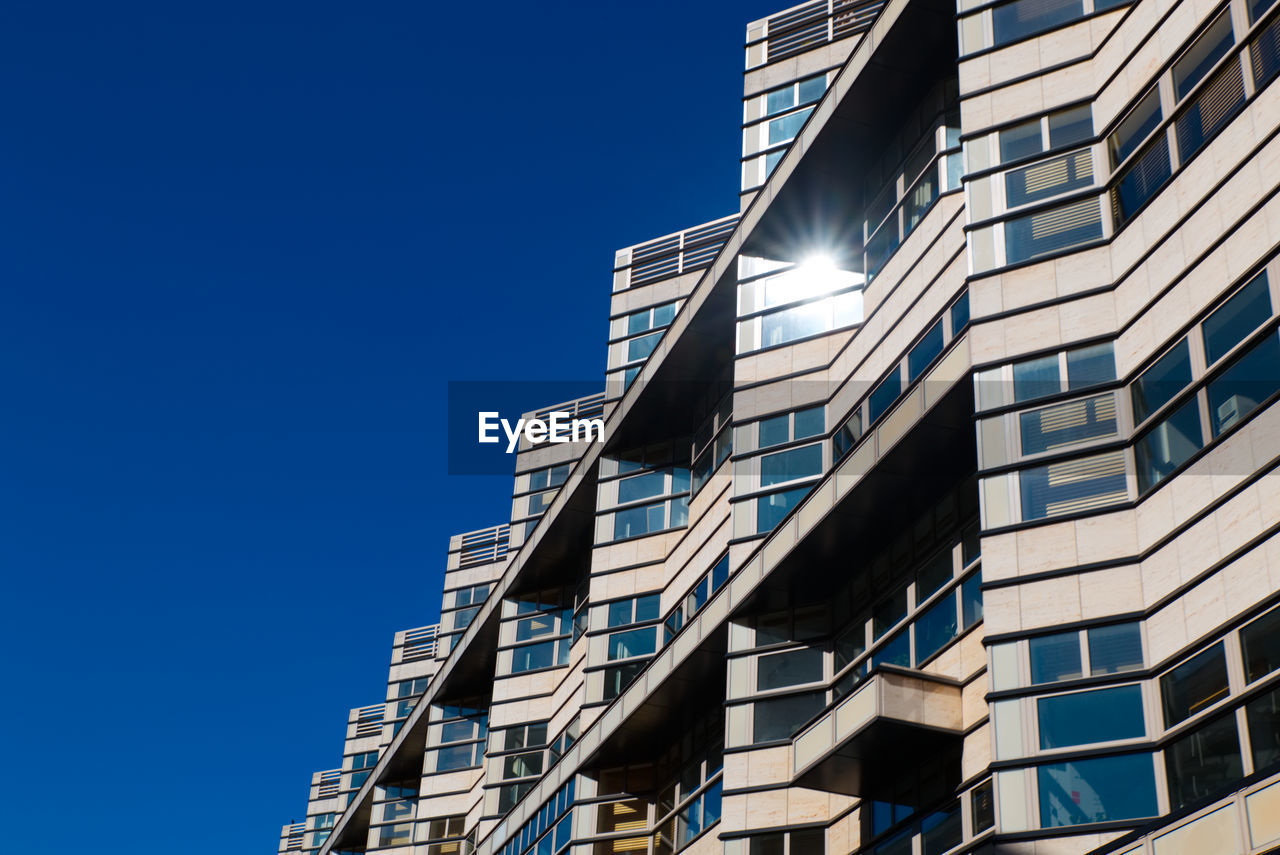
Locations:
{"points": [[811, 25], [673, 254]]}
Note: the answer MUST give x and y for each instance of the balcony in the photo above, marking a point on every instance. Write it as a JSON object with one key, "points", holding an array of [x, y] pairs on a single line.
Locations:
{"points": [[896, 720]]}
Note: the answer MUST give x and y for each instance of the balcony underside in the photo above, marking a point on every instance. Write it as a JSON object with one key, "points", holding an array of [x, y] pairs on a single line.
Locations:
{"points": [[819, 205], [928, 461], [895, 723]]}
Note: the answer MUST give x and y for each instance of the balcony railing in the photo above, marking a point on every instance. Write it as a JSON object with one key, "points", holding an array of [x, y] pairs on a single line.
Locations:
{"points": [[807, 26], [420, 643], [671, 255], [484, 546]]}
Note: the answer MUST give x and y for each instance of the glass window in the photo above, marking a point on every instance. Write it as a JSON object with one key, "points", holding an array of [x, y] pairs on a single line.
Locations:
{"points": [[933, 575], [1260, 646], [1263, 714], [542, 655], [640, 348], [971, 600], [1115, 649], [935, 627], [642, 487], [779, 100], [982, 801], [886, 614], [1203, 762], [1168, 445], [896, 651], [1069, 127], [1135, 127], [791, 324], [775, 431], [780, 718], [1156, 386], [925, 351], [960, 314], [1104, 715], [617, 679], [1250, 379], [633, 522], [1073, 486], [1049, 178], [1141, 179], [810, 422], [790, 465], [790, 668], [1232, 322], [1020, 141], [784, 129], [1210, 47], [1051, 231], [635, 642], [1194, 685], [1097, 790], [457, 757], [1090, 366], [884, 396], [1024, 18], [1065, 425], [395, 835], [941, 831], [1055, 657], [771, 509], [811, 90], [535, 627], [1036, 378]]}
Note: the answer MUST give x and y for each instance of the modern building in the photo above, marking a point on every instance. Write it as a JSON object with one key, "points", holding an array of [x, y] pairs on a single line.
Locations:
{"points": [[937, 509]]}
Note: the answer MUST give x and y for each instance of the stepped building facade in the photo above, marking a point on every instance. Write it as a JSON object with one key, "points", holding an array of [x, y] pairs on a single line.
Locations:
{"points": [[937, 508]]}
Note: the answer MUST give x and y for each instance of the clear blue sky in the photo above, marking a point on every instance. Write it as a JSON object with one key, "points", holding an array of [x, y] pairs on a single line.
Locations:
{"points": [[244, 246]]}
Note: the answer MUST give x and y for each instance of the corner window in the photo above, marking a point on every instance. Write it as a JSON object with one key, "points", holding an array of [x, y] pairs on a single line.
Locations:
{"points": [[1105, 715], [1101, 789], [1195, 685], [1204, 762], [1240, 315]]}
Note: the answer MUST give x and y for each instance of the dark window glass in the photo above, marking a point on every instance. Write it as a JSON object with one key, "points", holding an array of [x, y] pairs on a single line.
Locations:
{"points": [[982, 800], [1141, 180], [634, 642], [1020, 141], [780, 718], [971, 600], [1213, 106], [1070, 126], [1035, 378], [941, 831], [1101, 716], [1055, 657], [1194, 685], [1089, 366], [1232, 322], [1251, 378], [1135, 127], [618, 678], [811, 841], [1203, 762], [1068, 424], [1263, 714], [1097, 790], [1168, 445], [810, 422], [933, 575], [1260, 645], [620, 613], [1113, 649], [925, 351], [960, 314], [792, 668], [455, 757], [641, 487], [770, 510], [1256, 10], [884, 395], [1210, 47], [1156, 386], [935, 627], [886, 613], [790, 465], [896, 651], [533, 656], [769, 844], [647, 608], [775, 431], [633, 522], [640, 348], [1052, 231], [1024, 18]]}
